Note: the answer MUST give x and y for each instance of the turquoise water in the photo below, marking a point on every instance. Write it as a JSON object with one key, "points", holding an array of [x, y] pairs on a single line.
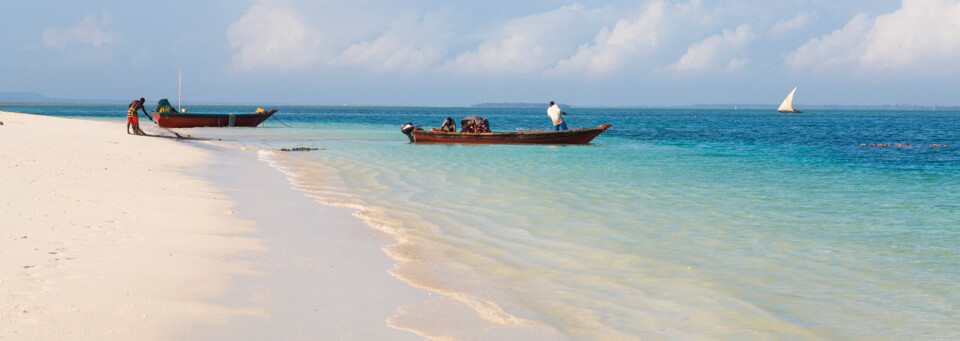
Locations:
{"points": [[676, 224]]}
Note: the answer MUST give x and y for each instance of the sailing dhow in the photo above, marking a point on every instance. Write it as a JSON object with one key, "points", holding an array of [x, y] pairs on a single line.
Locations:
{"points": [[787, 105]]}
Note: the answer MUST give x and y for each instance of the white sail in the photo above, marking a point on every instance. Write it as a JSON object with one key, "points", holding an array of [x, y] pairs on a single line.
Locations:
{"points": [[787, 105]]}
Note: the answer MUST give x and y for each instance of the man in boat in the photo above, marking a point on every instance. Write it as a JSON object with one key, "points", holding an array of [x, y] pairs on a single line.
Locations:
{"points": [[133, 118], [449, 126], [554, 112]]}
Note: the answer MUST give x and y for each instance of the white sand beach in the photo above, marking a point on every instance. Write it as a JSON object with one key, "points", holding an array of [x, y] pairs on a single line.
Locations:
{"points": [[109, 236]]}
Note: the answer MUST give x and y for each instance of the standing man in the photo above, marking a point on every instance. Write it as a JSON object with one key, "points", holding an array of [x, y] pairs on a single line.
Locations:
{"points": [[554, 112], [133, 118]]}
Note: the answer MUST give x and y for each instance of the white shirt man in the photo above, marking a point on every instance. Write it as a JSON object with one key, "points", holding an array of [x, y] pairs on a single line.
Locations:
{"points": [[554, 112]]}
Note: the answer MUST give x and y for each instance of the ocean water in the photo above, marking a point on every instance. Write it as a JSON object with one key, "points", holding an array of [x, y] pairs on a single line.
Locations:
{"points": [[675, 224]]}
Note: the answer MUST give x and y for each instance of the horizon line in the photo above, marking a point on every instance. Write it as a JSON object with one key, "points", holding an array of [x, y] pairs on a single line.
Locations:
{"points": [[519, 105]]}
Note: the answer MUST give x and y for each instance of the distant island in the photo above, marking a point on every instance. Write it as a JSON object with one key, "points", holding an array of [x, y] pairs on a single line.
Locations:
{"points": [[516, 105]]}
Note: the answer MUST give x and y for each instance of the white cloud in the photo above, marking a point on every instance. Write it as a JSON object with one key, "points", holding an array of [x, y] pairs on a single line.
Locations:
{"points": [[88, 31], [800, 21], [273, 37], [530, 44], [737, 63], [921, 36], [570, 41], [639, 35], [716, 51], [413, 43], [837, 47]]}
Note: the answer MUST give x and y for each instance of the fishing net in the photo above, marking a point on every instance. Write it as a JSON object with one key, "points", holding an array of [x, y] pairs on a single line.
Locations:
{"points": [[163, 106], [475, 124]]}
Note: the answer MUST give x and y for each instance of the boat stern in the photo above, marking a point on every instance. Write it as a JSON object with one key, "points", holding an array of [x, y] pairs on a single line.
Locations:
{"points": [[407, 129]]}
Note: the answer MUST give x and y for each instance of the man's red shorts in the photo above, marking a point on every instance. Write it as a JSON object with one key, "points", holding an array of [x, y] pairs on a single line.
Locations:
{"points": [[133, 119]]}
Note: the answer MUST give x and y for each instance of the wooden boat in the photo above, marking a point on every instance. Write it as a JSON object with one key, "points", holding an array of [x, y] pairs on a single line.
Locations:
{"points": [[575, 136], [787, 105], [184, 120]]}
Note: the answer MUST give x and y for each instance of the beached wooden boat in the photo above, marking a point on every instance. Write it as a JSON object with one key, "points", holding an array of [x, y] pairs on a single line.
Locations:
{"points": [[574, 136], [184, 120]]}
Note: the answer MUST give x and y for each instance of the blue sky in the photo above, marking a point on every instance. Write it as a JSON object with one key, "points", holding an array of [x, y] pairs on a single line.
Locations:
{"points": [[447, 53]]}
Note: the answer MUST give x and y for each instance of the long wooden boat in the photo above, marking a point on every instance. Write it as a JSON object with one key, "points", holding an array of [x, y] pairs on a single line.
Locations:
{"points": [[183, 120], [574, 136]]}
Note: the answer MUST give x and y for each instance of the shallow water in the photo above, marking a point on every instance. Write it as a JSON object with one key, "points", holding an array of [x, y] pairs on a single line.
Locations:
{"points": [[674, 224]]}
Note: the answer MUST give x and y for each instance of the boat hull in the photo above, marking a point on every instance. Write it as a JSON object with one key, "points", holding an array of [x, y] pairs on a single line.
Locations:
{"points": [[170, 120], [575, 136]]}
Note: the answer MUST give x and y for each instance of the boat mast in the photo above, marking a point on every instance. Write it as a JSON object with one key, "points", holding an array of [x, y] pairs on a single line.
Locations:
{"points": [[179, 88]]}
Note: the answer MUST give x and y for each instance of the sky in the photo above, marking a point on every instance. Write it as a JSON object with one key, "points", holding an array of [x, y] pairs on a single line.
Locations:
{"points": [[458, 53]]}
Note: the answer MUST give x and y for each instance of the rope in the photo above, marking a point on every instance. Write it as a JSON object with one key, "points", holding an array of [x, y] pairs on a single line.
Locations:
{"points": [[608, 131], [278, 120], [168, 130], [581, 122], [171, 131]]}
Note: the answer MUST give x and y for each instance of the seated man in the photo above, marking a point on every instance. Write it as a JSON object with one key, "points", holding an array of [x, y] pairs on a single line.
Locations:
{"points": [[449, 126]]}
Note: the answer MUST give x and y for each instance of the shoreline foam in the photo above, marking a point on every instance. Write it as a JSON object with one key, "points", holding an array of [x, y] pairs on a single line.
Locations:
{"points": [[324, 276], [450, 313]]}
